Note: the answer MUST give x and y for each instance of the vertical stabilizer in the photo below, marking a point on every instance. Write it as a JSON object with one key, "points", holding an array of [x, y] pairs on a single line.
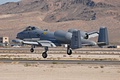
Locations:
{"points": [[76, 40], [103, 37]]}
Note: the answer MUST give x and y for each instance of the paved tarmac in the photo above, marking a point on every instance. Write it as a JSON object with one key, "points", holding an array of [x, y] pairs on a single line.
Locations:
{"points": [[63, 62], [97, 51], [100, 51]]}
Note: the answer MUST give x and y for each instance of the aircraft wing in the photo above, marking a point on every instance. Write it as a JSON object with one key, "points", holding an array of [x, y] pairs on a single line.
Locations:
{"points": [[93, 34], [30, 43], [43, 43]]}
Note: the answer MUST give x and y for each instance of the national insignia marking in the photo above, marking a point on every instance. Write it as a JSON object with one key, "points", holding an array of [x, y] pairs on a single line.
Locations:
{"points": [[44, 33]]}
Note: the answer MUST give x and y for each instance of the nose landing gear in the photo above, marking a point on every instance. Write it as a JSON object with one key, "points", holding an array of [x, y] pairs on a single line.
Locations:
{"points": [[32, 48]]}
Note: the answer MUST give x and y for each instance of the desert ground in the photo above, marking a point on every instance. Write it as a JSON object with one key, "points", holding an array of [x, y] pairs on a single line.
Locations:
{"points": [[15, 71]]}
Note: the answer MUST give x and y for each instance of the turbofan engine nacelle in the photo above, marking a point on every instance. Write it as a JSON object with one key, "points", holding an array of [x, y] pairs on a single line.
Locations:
{"points": [[72, 30], [83, 34], [86, 36], [63, 36]]}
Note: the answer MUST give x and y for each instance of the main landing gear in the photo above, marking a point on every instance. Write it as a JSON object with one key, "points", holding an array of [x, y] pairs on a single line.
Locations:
{"points": [[69, 50], [32, 48]]}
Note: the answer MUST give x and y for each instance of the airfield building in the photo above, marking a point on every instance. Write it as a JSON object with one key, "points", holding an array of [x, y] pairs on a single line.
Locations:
{"points": [[4, 40]]}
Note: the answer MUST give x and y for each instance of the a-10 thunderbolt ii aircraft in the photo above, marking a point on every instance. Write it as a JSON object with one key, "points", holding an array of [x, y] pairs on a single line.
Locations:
{"points": [[73, 38]]}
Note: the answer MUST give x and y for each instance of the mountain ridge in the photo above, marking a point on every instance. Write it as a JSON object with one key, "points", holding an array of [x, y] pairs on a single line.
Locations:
{"points": [[59, 10]]}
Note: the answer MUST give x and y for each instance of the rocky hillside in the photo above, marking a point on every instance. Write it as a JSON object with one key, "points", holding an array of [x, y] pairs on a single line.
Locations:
{"points": [[64, 10]]}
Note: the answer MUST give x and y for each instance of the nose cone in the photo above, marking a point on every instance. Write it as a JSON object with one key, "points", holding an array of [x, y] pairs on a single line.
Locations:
{"points": [[20, 35]]}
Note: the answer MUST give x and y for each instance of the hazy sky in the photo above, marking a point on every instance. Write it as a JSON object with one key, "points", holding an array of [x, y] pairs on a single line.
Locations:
{"points": [[4, 1]]}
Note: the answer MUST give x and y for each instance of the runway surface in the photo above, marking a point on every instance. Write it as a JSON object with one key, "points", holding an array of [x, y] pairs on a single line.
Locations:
{"points": [[63, 62], [85, 51], [64, 49], [109, 51]]}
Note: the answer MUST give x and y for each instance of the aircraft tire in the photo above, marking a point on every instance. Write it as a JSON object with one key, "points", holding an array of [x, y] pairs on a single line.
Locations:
{"points": [[69, 51], [44, 55], [32, 50]]}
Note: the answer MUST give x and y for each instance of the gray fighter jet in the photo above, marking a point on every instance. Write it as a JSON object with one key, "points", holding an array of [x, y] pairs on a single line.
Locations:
{"points": [[73, 38]]}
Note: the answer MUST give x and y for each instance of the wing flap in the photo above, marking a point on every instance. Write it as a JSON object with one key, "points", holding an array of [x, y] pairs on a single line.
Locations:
{"points": [[45, 43]]}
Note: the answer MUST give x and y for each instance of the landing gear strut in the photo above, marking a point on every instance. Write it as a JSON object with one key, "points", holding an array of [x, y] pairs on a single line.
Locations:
{"points": [[69, 50], [44, 54], [32, 48]]}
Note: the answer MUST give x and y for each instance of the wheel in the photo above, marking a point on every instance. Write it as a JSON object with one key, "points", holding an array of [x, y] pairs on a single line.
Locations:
{"points": [[69, 51], [44, 55], [31, 50]]}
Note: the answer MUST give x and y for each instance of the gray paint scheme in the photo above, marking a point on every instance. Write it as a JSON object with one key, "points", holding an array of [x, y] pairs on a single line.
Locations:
{"points": [[103, 37], [61, 37], [74, 38]]}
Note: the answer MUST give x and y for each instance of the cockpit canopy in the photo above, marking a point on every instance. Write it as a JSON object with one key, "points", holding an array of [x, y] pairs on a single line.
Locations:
{"points": [[30, 28]]}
